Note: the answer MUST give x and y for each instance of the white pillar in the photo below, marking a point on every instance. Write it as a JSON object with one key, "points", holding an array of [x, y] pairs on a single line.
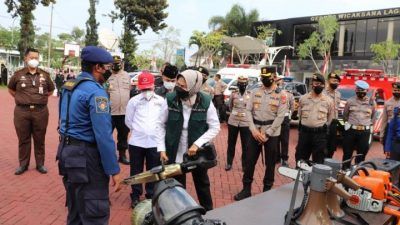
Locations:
{"points": [[390, 30], [342, 31]]}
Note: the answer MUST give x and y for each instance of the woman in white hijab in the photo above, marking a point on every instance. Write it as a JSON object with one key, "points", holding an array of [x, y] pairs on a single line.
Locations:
{"points": [[188, 120]]}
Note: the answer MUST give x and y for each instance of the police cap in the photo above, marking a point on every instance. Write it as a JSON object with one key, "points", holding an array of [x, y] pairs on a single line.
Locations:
{"points": [[117, 59], [334, 76], [318, 77], [268, 71], [95, 54], [170, 71], [203, 70], [396, 85], [242, 79], [362, 84]]}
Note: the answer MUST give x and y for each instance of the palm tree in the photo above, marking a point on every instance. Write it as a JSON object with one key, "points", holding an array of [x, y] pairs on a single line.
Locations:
{"points": [[195, 39], [236, 22]]}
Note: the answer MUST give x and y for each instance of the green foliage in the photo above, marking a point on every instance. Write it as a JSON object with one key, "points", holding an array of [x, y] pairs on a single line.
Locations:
{"points": [[180, 62], [9, 38], [24, 9], [266, 31], [128, 43], [236, 22], [142, 60], [196, 38], [211, 43], [77, 35], [65, 37], [92, 37], [385, 52]]}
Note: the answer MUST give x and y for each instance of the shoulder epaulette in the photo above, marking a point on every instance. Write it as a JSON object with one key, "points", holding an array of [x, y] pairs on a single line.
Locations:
{"points": [[72, 84]]}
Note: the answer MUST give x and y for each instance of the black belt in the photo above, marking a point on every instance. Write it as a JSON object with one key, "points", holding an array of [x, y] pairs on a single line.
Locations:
{"points": [[313, 129], [76, 142], [32, 106], [263, 123]]}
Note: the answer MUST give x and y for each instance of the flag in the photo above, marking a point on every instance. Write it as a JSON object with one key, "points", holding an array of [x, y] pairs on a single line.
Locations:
{"points": [[287, 69], [326, 64]]}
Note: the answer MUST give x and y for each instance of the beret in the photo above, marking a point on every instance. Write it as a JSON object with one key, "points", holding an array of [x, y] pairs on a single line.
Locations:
{"points": [[334, 76], [203, 70], [362, 84], [95, 54], [318, 77]]}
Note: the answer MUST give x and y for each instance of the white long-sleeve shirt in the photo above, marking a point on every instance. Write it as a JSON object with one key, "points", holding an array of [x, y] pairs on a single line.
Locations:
{"points": [[141, 118], [213, 129]]}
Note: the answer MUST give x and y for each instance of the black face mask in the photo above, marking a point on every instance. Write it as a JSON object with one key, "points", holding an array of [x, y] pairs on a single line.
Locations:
{"points": [[181, 93], [333, 86], [266, 82], [318, 89], [242, 88], [361, 94], [116, 67], [107, 75], [204, 79], [396, 94]]}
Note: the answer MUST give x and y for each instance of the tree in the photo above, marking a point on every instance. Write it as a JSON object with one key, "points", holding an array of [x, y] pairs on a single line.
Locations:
{"points": [[24, 9], [195, 39], [168, 43], [138, 16], [321, 41], [385, 52], [92, 37], [211, 44], [9, 38], [266, 33], [77, 34], [65, 37], [143, 60], [236, 22]]}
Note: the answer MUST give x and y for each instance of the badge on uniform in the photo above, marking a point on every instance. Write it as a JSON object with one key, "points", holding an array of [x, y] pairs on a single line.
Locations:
{"points": [[102, 105]]}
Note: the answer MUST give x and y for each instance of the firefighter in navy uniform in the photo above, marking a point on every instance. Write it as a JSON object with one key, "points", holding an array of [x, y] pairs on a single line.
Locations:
{"points": [[332, 92], [387, 114], [265, 111], [392, 145], [358, 115], [238, 122], [86, 153], [316, 113]]}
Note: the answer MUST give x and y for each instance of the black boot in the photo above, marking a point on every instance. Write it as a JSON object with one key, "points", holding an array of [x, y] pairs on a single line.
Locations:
{"points": [[245, 193], [122, 158], [267, 188]]}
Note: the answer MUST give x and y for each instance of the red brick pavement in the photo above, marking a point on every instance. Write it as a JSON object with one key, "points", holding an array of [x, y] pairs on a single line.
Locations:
{"points": [[34, 199]]}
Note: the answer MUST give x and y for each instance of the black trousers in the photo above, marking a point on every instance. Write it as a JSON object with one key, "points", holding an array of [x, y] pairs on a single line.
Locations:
{"points": [[311, 144], [395, 151], [138, 156], [220, 106], [254, 151], [332, 139], [283, 143], [232, 137], [355, 140], [118, 122], [202, 185]]}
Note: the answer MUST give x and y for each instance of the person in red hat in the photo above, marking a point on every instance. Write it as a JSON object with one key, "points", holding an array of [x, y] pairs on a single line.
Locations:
{"points": [[141, 116]]}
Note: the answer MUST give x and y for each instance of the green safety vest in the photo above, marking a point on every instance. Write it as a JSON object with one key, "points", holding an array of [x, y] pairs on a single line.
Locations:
{"points": [[197, 122]]}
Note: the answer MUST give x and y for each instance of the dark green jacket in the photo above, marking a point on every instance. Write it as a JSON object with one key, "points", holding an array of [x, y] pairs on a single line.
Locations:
{"points": [[197, 122]]}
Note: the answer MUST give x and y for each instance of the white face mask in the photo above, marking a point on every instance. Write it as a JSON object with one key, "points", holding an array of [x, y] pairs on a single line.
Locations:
{"points": [[148, 94], [169, 85], [33, 63]]}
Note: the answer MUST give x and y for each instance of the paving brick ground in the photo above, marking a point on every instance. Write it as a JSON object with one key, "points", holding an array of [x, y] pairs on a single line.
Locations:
{"points": [[33, 199]]}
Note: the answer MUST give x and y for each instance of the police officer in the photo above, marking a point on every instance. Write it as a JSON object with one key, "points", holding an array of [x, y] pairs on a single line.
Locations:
{"points": [[387, 114], [358, 115], [392, 142], [238, 122], [169, 74], [187, 121], [31, 88], [265, 111], [118, 88], [206, 88], [218, 98], [332, 92], [283, 143], [316, 113], [86, 153]]}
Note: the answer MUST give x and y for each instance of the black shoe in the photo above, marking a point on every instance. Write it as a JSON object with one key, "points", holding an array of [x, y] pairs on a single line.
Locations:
{"points": [[267, 188], [41, 169], [20, 170], [134, 203], [284, 163], [228, 167], [242, 195], [123, 160]]}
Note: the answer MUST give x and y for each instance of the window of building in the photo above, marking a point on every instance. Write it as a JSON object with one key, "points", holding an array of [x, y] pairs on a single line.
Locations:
{"points": [[396, 31], [360, 37], [335, 45], [372, 27], [382, 30], [349, 37], [301, 33]]}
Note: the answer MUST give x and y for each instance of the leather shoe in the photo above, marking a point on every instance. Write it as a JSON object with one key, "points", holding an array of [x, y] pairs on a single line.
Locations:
{"points": [[123, 160], [20, 170], [284, 163], [228, 167], [134, 203], [242, 195], [266, 188], [41, 169]]}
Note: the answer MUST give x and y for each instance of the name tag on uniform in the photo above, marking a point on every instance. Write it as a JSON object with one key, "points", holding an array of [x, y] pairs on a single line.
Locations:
{"points": [[41, 90]]}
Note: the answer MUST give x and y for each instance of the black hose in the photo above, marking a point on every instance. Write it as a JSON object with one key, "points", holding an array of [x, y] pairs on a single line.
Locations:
{"points": [[355, 171], [374, 166]]}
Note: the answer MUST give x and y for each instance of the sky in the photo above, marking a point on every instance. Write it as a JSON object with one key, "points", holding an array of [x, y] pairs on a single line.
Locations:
{"points": [[187, 15]]}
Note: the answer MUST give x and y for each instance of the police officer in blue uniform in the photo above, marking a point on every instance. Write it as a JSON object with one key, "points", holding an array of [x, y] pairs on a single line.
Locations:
{"points": [[86, 153], [392, 143]]}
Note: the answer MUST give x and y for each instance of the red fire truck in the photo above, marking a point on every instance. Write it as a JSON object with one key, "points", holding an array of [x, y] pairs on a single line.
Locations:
{"points": [[380, 91]]}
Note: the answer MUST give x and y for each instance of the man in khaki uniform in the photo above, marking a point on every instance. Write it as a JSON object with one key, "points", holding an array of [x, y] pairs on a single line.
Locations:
{"points": [[358, 115], [332, 92], [119, 89], [31, 88], [387, 115], [238, 122], [265, 111], [316, 112], [206, 88], [218, 99]]}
